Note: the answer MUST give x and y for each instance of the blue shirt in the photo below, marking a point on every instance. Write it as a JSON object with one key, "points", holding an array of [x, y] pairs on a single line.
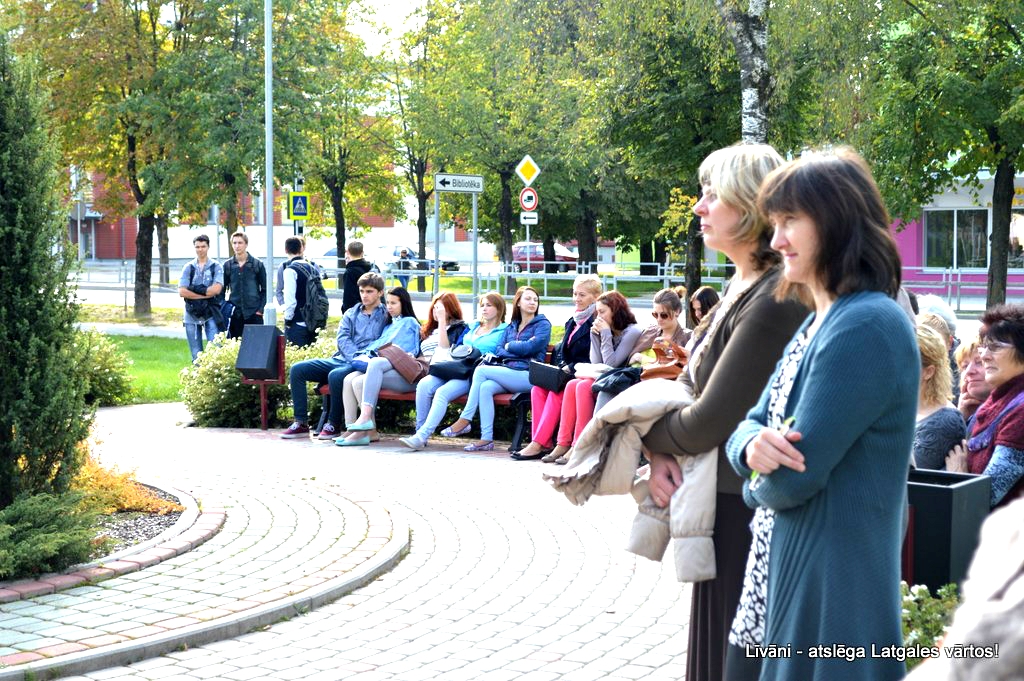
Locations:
{"points": [[488, 342], [403, 332], [208, 275], [358, 329]]}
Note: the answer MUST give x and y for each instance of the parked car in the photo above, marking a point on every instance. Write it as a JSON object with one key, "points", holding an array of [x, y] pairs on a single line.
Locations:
{"points": [[386, 258], [565, 258]]}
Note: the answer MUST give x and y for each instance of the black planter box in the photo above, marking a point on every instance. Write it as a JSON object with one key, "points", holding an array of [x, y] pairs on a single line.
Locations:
{"points": [[946, 513]]}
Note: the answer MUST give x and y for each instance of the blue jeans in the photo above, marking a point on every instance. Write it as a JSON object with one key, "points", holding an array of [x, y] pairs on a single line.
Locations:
{"points": [[194, 335], [432, 398], [331, 371], [489, 381]]}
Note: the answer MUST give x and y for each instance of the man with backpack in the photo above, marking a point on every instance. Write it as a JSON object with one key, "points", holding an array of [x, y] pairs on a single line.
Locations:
{"points": [[305, 301], [200, 285], [245, 282]]}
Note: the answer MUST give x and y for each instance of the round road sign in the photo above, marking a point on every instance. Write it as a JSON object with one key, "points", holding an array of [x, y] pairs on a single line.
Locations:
{"points": [[528, 199]]}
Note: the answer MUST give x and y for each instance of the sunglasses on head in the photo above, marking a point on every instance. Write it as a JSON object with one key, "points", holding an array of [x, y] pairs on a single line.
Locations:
{"points": [[661, 315]]}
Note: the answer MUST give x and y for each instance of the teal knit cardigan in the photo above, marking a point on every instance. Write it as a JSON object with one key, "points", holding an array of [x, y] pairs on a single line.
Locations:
{"points": [[834, 562]]}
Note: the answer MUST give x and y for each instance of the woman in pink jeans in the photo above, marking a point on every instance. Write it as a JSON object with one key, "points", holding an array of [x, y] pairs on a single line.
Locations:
{"points": [[574, 348], [612, 337]]}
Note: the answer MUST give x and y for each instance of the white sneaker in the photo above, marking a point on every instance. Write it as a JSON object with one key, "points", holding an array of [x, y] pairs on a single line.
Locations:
{"points": [[413, 442]]}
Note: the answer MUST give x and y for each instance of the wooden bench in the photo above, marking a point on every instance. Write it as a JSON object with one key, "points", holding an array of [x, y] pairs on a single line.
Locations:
{"points": [[520, 401]]}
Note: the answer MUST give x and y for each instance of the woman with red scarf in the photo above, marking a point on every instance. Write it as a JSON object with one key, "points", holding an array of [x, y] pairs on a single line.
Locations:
{"points": [[996, 445]]}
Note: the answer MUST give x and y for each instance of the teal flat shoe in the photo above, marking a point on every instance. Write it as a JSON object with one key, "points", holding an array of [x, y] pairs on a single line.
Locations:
{"points": [[369, 425], [342, 442]]}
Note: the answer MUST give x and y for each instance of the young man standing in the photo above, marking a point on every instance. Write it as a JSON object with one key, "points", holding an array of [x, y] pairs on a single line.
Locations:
{"points": [[359, 327], [245, 280], [201, 282], [355, 267], [297, 270]]}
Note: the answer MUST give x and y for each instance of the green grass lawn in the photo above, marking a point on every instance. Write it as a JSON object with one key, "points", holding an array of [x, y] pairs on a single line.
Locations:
{"points": [[157, 363]]}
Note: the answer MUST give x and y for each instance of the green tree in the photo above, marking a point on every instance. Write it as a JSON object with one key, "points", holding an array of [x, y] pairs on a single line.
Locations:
{"points": [[43, 415], [101, 62], [950, 102], [353, 150]]}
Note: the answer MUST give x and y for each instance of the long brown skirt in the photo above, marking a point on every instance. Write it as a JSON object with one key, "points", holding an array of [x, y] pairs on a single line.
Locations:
{"points": [[714, 602]]}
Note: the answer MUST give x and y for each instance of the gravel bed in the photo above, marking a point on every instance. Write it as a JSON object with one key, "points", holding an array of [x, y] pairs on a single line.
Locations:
{"points": [[131, 528]]}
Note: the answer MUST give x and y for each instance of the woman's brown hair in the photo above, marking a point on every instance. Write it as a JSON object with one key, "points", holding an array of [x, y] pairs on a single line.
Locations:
{"points": [[622, 316], [497, 301], [856, 251], [517, 314]]}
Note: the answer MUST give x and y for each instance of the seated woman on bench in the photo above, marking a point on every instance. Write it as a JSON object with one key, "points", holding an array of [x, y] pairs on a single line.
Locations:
{"points": [[403, 330], [433, 394], [507, 370]]}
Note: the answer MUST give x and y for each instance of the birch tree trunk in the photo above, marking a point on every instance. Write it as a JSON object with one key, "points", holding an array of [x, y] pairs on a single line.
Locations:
{"points": [[750, 39]]}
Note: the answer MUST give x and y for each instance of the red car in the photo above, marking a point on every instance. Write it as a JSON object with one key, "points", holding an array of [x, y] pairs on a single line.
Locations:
{"points": [[565, 258]]}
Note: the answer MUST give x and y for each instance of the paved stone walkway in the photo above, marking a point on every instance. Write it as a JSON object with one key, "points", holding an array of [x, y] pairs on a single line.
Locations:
{"points": [[504, 579]]}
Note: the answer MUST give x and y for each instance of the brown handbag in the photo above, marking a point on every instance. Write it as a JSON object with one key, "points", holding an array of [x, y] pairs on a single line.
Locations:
{"points": [[411, 368], [668, 364]]}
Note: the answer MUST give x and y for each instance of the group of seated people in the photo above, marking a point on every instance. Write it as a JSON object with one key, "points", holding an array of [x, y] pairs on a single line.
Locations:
{"points": [[602, 331], [976, 425]]}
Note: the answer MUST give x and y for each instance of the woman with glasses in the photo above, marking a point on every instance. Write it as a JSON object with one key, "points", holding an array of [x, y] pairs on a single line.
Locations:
{"points": [[731, 357], [668, 315], [996, 445]]}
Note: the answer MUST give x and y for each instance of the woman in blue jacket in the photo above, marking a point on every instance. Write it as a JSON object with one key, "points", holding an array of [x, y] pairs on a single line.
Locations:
{"points": [[403, 330], [825, 451], [433, 394], [507, 370]]}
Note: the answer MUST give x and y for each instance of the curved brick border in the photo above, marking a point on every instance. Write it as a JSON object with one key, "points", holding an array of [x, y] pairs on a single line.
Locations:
{"points": [[357, 569], [175, 540]]}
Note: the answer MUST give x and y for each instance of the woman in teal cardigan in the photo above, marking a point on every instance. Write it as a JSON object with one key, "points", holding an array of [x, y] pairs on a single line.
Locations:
{"points": [[826, 450]]}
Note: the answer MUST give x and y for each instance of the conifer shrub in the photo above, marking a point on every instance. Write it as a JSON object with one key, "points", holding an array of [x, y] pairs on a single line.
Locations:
{"points": [[104, 368], [214, 394], [46, 533], [43, 411]]}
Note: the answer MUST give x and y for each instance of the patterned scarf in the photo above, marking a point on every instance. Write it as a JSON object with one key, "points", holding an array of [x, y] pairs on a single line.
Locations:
{"points": [[999, 421]]}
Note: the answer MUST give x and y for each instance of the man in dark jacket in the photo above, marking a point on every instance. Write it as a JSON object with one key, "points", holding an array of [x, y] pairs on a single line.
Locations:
{"points": [[355, 267], [245, 280]]}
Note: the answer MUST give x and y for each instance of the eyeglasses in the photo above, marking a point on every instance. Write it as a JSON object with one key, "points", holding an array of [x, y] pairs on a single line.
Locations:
{"points": [[661, 315], [992, 346]]}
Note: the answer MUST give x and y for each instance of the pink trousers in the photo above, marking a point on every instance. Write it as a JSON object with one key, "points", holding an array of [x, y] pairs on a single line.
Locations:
{"points": [[577, 410], [568, 411]]}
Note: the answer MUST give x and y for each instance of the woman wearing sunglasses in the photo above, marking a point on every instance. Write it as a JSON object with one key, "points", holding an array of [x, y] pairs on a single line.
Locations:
{"points": [[668, 315]]}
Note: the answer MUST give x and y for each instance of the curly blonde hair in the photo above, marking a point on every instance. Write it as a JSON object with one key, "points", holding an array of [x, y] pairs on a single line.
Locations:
{"points": [[937, 388]]}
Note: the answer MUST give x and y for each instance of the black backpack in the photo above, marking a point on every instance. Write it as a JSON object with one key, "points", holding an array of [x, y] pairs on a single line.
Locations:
{"points": [[314, 312]]}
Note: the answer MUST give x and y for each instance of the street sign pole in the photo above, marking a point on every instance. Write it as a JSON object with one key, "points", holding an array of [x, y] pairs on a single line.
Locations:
{"points": [[476, 245], [437, 240], [270, 311]]}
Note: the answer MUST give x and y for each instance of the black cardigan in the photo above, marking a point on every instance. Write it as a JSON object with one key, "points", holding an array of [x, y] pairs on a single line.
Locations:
{"points": [[571, 353]]}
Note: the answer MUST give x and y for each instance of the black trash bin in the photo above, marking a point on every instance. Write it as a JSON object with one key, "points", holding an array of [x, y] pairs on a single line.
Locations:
{"points": [[946, 513]]}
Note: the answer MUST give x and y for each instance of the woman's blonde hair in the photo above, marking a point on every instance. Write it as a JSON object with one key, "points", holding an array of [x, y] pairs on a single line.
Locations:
{"points": [[735, 174], [589, 282], [938, 388]]}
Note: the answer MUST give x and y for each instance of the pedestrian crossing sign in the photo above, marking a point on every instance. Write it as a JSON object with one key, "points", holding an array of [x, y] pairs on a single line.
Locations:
{"points": [[298, 206]]}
